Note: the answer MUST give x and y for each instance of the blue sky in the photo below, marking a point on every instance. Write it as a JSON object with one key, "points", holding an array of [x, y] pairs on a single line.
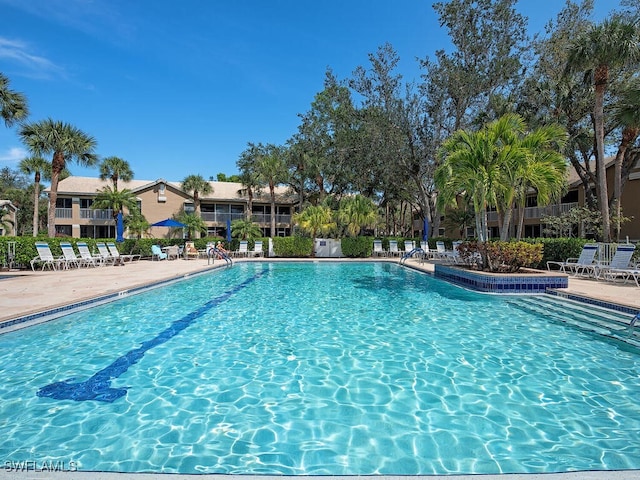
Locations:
{"points": [[179, 87]]}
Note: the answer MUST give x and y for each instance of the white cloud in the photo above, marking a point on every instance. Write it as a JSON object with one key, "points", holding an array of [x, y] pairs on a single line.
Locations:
{"points": [[13, 155], [20, 52]]}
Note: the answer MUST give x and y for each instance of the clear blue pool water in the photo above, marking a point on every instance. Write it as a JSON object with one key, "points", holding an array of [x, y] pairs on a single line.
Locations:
{"points": [[319, 368]]}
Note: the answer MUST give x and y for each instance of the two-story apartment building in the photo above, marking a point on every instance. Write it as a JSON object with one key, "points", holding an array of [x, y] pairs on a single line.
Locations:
{"points": [[161, 199]]}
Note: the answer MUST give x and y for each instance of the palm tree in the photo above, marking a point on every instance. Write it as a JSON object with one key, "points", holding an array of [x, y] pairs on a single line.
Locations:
{"points": [[193, 223], [63, 141], [198, 185], [314, 220], [35, 166], [115, 200], [115, 168], [472, 167], [251, 184], [245, 229], [272, 170], [13, 105], [601, 51], [357, 212]]}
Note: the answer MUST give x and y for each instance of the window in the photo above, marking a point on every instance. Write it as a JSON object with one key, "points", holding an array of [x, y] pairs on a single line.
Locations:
{"points": [[86, 202], [189, 207], [471, 232], [441, 232], [63, 202]]}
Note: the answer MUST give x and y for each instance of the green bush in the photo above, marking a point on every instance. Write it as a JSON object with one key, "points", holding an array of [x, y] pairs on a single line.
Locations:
{"points": [[357, 247], [557, 249], [501, 257], [289, 247]]}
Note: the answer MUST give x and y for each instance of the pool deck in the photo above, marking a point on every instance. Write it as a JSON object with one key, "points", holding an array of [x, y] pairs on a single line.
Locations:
{"points": [[27, 292]]}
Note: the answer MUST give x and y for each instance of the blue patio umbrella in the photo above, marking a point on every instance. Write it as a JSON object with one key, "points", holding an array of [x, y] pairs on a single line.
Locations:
{"points": [[168, 222], [228, 231], [425, 229], [119, 228]]}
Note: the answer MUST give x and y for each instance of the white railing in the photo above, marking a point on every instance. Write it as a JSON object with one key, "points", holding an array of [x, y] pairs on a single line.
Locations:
{"points": [[97, 214], [64, 213], [538, 212]]}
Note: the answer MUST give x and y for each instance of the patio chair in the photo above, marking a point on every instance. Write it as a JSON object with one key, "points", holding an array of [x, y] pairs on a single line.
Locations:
{"points": [[584, 264], [441, 251], [257, 249], [190, 250], [378, 250], [157, 253], [173, 252], [103, 251], [409, 246], [45, 257], [88, 258], [453, 255], [69, 257], [426, 253], [393, 248], [242, 249], [620, 265], [113, 250]]}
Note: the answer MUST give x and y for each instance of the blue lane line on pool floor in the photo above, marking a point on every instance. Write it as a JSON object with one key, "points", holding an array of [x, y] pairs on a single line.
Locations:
{"points": [[98, 387]]}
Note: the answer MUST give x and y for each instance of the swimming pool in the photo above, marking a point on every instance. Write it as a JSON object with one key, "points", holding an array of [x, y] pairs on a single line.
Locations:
{"points": [[310, 369]]}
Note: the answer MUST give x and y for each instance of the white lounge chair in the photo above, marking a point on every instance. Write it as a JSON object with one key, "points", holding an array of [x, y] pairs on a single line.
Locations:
{"points": [[393, 248], [441, 251], [620, 265], [242, 249], [409, 245], [190, 250], [584, 264], [426, 253], [257, 249], [88, 258], [69, 257], [115, 253], [45, 257], [378, 250], [107, 258]]}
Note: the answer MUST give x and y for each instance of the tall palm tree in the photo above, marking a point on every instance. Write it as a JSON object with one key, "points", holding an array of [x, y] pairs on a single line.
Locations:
{"points": [[115, 168], [602, 51], [13, 105], [272, 170], [197, 185], [63, 141], [357, 212], [36, 166]]}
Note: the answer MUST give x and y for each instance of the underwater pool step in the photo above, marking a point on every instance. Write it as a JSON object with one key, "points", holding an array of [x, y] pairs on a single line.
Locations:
{"points": [[592, 318]]}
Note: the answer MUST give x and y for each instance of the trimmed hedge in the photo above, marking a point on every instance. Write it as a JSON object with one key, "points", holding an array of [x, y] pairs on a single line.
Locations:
{"points": [[291, 247]]}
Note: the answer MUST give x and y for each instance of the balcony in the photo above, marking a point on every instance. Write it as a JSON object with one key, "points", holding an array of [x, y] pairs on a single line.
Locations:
{"points": [[537, 213], [64, 213], [220, 217], [91, 214]]}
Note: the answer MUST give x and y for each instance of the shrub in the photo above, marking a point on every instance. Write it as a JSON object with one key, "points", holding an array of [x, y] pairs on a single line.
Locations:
{"points": [[293, 246], [501, 257], [357, 247]]}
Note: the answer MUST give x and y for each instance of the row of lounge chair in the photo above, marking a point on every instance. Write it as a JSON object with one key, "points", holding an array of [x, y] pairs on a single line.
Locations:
{"points": [[587, 264], [423, 251], [108, 254]]}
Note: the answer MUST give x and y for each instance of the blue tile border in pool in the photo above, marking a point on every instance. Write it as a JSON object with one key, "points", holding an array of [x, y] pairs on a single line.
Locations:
{"points": [[503, 284], [53, 313]]}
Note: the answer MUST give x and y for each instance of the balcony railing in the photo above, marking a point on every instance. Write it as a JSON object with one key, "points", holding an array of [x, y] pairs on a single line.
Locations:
{"points": [[64, 213], [266, 218], [539, 212], [91, 214], [220, 217]]}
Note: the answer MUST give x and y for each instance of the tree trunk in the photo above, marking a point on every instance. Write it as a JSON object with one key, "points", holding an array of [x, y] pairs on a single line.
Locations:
{"points": [[273, 209], [36, 204], [601, 77], [628, 137], [57, 165]]}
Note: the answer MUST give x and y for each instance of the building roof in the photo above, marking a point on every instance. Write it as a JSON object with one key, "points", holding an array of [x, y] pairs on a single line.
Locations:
{"points": [[227, 191]]}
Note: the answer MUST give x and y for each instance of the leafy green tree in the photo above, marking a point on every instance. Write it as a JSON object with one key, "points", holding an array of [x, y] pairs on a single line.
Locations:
{"points": [[136, 224], [36, 166], [115, 168], [65, 142], [197, 185], [357, 212], [249, 177], [13, 105], [245, 229], [314, 220], [272, 171], [603, 51]]}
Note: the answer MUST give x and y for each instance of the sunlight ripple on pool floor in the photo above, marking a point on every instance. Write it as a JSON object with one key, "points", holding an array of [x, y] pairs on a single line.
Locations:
{"points": [[370, 369]]}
